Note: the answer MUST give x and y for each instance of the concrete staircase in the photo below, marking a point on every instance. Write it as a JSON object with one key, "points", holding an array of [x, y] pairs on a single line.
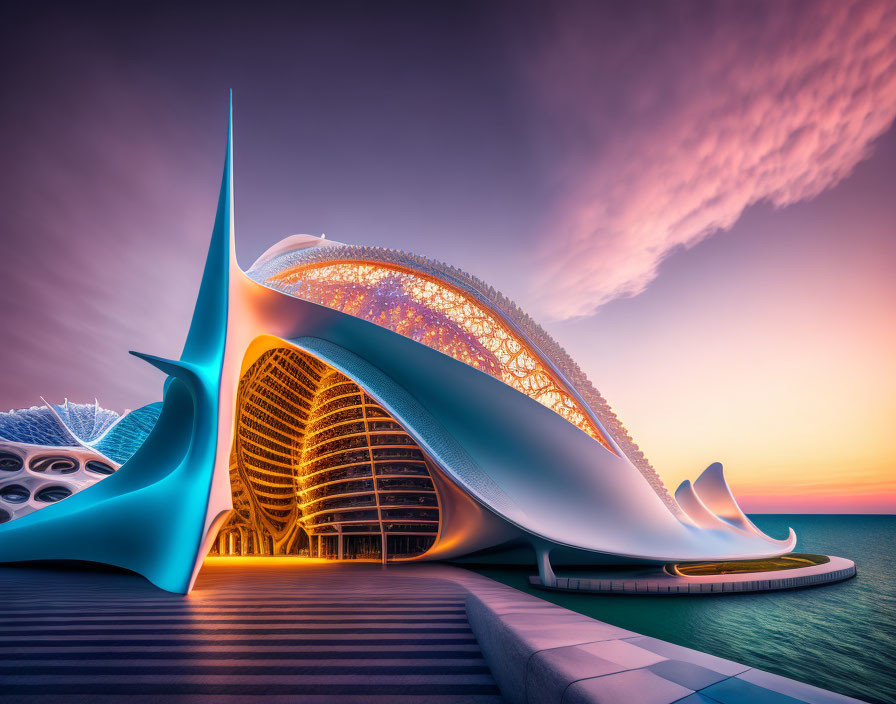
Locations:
{"points": [[325, 633]]}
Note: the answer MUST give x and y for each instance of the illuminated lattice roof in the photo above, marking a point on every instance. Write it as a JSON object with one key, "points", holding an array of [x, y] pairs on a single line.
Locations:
{"points": [[451, 311]]}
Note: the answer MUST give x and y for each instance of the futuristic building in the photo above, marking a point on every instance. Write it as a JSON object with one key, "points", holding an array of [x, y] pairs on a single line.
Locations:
{"points": [[359, 403]]}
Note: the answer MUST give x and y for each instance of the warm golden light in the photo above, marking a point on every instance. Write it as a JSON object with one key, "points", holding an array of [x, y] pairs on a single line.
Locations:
{"points": [[273, 402], [319, 468]]}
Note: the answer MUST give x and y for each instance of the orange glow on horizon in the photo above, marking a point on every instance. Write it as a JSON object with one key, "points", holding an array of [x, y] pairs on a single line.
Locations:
{"points": [[790, 384]]}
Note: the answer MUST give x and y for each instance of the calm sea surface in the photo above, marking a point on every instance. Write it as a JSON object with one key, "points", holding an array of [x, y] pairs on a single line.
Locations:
{"points": [[841, 637]]}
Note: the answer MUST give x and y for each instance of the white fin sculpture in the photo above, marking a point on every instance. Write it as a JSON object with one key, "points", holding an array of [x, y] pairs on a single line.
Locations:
{"points": [[696, 510], [709, 503], [716, 495]]}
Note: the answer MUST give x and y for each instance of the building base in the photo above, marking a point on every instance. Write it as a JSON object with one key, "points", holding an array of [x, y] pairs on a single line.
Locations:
{"points": [[660, 582]]}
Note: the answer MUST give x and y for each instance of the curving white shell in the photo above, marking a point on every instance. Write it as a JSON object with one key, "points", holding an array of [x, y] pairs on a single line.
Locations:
{"points": [[710, 504], [696, 510]]}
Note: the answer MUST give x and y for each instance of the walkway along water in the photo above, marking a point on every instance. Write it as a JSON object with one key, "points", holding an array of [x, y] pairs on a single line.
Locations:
{"points": [[293, 631]]}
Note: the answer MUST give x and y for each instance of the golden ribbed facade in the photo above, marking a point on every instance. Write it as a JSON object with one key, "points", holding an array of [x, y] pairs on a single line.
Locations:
{"points": [[364, 481], [319, 468]]}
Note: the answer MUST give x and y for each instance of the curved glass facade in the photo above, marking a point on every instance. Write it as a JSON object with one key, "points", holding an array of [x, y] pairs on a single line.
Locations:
{"points": [[319, 468], [363, 480], [273, 402]]}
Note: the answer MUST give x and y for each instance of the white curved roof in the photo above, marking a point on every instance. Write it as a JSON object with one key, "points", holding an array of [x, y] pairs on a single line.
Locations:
{"points": [[278, 268], [512, 454], [293, 243]]}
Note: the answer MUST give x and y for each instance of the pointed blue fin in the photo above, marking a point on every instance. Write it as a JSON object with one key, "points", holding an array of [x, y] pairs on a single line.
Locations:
{"points": [[151, 515], [172, 367], [208, 329]]}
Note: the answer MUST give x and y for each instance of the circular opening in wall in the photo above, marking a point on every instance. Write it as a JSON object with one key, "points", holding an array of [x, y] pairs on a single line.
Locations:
{"points": [[51, 494], [54, 464], [10, 462], [14, 493], [98, 467]]}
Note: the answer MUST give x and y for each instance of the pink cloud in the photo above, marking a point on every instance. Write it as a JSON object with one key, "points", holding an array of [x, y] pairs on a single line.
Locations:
{"points": [[669, 132]]}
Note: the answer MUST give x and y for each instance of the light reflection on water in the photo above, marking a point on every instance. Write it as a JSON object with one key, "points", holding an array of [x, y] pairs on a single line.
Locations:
{"points": [[840, 637]]}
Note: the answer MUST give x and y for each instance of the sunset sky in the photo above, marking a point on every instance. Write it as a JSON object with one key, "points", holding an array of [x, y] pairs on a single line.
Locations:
{"points": [[697, 199]]}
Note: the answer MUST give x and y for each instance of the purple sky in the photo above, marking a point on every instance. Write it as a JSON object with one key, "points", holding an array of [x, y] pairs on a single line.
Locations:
{"points": [[582, 157]]}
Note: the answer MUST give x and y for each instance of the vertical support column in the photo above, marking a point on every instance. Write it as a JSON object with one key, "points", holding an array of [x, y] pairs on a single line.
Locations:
{"points": [[376, 488], [545, 572], [339, 538], [230, 543]]}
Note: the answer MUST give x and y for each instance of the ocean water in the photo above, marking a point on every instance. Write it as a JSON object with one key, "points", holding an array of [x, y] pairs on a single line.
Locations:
{"points": [[840, 637]]}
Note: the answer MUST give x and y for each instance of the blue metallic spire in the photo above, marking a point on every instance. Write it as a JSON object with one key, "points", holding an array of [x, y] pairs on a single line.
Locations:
{"points": [[151, 515], [205, 341]]}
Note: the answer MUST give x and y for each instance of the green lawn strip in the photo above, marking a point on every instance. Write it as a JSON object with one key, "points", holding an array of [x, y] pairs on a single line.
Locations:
{"points": [[790, 561]]}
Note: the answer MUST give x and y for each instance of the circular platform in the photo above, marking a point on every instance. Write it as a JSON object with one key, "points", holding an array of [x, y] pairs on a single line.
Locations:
{"points": [[658, 581]]}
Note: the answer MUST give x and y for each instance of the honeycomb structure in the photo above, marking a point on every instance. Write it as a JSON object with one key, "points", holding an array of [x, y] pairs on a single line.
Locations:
{"points": [[35, 476]]}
